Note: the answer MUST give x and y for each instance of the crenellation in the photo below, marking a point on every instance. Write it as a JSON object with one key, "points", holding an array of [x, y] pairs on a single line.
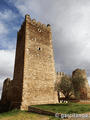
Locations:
{"points": [[39, 25], [27, 18], [33, 21], [44, 27], [60, 73], [49, 27]]}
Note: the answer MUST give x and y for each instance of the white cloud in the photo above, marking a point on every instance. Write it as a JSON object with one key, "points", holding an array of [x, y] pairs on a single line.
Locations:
{"points": [[3, 29], [7, 15], [70, 22], [6, 62], [5, 41], [26, 7], [88, 80], [6, 65], [6, 56]]}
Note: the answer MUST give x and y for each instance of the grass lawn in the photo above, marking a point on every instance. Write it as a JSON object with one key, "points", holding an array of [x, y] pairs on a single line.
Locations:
{"points": [[58, 108], [23, 115], [66, 108]]}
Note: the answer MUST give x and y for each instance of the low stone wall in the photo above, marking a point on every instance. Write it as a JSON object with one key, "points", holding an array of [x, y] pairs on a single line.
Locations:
{"points": [[40, 111], [85, 101]]}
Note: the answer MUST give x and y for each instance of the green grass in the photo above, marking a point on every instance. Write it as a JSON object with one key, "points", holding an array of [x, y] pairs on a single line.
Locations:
{"points": [[24, 115], [58, 108], [11, 113], [66, 108]]}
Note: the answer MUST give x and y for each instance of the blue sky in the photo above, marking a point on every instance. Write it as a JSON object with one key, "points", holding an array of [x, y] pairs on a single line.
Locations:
{"points": [[70, 22], [10, 21]]}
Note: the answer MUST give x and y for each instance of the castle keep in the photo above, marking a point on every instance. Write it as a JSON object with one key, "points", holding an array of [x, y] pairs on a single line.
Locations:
{"points": [[34, 72]]}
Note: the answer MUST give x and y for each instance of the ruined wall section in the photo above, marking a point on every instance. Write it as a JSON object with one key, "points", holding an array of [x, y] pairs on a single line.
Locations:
{"points": [[5, 90], [39, 69], [85, 91]]}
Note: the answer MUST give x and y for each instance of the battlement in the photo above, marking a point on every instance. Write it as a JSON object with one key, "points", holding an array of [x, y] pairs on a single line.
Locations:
{"points": [[33, 22], [60, 73]]}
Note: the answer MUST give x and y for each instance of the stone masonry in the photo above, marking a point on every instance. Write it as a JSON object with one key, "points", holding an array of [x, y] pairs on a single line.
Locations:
{"points": [[34, 72], [85, 91]]}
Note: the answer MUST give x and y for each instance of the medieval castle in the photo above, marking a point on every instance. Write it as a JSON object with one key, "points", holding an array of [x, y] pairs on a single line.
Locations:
{"points": [[34, 72]]}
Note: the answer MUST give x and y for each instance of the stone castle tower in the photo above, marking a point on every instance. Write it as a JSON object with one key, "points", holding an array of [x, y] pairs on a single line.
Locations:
{"points": [[85, 90], [34, 72]]}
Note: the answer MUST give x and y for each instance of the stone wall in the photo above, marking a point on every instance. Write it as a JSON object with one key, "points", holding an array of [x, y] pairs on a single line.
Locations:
{"points": [[39, 70], [5, 90], [34, 71], [85, 91]]}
